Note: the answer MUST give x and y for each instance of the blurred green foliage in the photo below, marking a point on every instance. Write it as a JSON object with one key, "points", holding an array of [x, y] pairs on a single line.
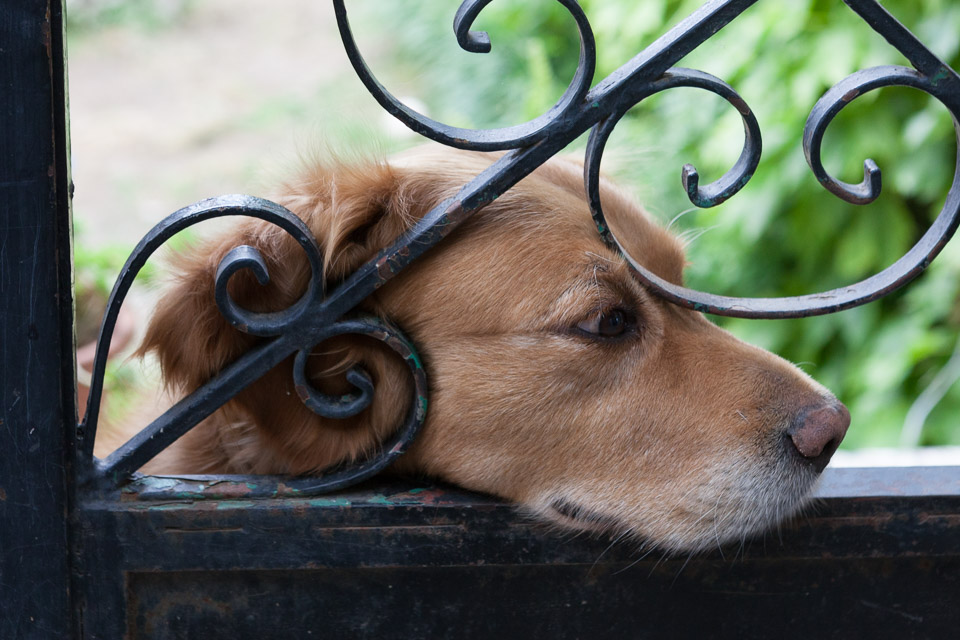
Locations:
{"points": [[784, 234]]}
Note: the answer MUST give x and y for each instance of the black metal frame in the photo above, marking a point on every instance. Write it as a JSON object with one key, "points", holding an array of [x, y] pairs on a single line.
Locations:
{"points": [[37, 353], [133, 553]]}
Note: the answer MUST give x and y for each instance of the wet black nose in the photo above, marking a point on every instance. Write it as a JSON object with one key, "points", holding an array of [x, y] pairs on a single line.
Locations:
{"points": [[817, 432]]}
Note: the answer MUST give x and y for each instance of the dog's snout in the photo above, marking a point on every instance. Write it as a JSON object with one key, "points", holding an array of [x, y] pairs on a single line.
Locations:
{"points": [[817, 433]]}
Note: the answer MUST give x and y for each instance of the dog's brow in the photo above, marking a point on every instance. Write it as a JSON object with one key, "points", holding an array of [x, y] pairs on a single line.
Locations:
{"points": [[598, 285]]}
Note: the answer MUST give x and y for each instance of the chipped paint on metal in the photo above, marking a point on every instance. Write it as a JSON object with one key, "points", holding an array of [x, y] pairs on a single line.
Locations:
{"points": [[330, 502], [233, 504], [943, 73]]}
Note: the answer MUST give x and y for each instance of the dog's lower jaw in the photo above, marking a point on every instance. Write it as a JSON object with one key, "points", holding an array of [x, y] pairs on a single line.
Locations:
{"points": [[736, 505]]}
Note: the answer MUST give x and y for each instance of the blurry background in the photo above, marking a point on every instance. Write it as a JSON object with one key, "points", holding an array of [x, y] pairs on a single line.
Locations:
{"points": [[173, 101]]}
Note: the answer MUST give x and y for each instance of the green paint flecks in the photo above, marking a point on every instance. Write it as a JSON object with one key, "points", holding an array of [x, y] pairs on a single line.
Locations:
{"points": [[330, 502]]}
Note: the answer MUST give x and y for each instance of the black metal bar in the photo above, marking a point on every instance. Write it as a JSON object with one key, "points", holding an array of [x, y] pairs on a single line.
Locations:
{"points": [[900, 37], [189, 411], [666, 51], [37, 387]]}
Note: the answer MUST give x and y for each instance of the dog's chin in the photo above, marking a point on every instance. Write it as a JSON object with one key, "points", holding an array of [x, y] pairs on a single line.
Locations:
{"points": [[749, 504]]}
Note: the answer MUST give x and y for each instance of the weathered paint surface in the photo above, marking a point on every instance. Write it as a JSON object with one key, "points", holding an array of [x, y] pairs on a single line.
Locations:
{"points": [[403, 559], [37, 366]]}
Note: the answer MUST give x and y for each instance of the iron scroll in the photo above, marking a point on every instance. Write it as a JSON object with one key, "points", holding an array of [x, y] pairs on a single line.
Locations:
{"points": [[320, 314], [652, 71]]}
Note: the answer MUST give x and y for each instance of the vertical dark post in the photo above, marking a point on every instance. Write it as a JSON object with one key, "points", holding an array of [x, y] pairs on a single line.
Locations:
{"points": [[37, 406]]}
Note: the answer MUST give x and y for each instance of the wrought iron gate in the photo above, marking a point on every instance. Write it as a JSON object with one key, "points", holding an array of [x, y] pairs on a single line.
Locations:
{"points": [[89, 552]]}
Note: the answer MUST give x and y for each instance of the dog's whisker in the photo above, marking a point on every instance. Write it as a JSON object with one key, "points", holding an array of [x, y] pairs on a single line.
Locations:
{"points": [[637, 561], [604, 258], [691, 236], [596, 284], [656, 565], [682, 567], [678, 216], [716, 528], [617, 539]]}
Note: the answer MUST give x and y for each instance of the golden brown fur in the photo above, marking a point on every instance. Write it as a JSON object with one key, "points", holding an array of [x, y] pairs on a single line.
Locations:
{"points": [[674, 431]]}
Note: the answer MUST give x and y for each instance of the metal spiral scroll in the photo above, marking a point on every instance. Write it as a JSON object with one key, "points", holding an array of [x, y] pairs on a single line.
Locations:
{"points": [[702, 196], [188, 216], [909, 266], [296, 330], [650, 72], [349, 405], [479, 42]]}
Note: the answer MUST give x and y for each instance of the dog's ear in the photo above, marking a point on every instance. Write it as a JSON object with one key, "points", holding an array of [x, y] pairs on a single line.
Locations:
{"points": [[353, 212]]}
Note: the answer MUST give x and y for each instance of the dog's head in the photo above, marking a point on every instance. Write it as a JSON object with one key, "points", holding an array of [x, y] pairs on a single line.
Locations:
{"points": [[556, 380]]}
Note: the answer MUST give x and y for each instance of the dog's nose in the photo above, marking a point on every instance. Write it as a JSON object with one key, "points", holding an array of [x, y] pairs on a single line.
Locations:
{"points": [[817, 432]]}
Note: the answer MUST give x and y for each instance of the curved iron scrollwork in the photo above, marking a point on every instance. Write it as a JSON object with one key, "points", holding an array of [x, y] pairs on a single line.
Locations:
{"points": [[319, 315], [650, 72], [479, 42], [307, 322]]}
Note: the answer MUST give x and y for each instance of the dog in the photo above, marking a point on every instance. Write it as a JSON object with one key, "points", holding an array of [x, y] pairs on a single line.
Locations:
{"points": [[556, 380]]}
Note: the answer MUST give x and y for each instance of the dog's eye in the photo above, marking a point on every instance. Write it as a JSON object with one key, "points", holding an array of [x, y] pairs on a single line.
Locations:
{"points": [[608, 324]]}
